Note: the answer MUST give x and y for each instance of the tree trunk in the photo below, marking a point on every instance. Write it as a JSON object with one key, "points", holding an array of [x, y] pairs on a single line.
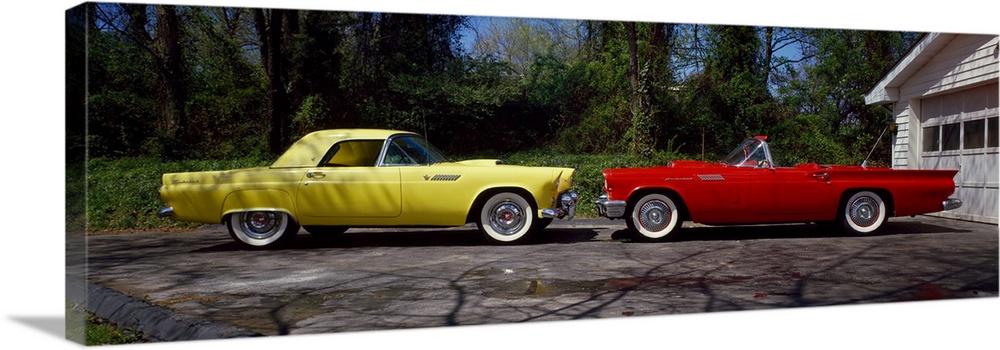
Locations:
{"points": [[633, 77], [769, 48], [269, 31], [633, 66], [173, 91]]}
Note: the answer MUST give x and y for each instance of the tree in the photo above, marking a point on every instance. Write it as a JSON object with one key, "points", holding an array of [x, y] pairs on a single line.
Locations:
{"points": [[395, 58], [126, 34], [844, 65], [732, 88], [521, 41], [316, 65], [189, 81]]}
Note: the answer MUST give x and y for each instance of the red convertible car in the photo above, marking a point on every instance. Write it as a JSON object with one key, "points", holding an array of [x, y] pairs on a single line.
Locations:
{"points": [[748, 188]]}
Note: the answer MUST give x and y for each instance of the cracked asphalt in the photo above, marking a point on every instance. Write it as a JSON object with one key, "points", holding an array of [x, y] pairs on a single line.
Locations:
{"points": [[379, 279]]}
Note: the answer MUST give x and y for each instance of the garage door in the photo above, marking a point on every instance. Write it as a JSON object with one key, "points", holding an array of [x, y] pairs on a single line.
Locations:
{"points": [[960, 130]]}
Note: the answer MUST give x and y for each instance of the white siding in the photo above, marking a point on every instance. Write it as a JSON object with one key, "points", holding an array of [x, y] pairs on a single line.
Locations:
{"points": [[977, 181], [966, 61], [958, 83]]}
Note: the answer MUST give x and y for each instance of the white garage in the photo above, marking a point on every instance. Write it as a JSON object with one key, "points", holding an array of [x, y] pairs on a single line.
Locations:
{"points": [[944, 96]]}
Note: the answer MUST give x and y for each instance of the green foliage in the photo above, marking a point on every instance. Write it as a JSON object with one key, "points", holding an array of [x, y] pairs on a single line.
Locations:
{"points": [[120, 97], [122, 193], [565, 86], [807, 139], [86, 328], [848, 63], [735, 86], [588, 180], [309, 115], [76, 196]]}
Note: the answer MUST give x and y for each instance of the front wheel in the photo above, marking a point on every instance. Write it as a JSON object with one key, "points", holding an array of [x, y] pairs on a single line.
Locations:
{"points": [[653, 217], [261, 229], [863, 213], [505, 218]]}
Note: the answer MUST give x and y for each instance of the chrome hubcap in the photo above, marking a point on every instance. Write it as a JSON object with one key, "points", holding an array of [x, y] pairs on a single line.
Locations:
{"points": [[506, 218], [654, 215], [260, 224], [864, 211]]}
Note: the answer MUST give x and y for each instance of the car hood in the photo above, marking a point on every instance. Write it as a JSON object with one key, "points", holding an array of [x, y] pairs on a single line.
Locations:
{"points": [[479, 162]]}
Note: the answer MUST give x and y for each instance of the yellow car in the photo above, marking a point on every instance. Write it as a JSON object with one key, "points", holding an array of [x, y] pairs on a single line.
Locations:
{"points": [[331, 180]]}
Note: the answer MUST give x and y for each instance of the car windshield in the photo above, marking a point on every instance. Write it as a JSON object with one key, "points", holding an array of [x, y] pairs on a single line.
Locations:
{"points": [[412, 150], [749, 153]]}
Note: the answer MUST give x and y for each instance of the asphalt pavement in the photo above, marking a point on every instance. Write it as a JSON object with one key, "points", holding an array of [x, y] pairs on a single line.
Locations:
{"points": [[199, 285]]}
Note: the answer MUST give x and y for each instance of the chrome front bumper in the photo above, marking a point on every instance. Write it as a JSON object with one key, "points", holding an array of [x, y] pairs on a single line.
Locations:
{"points": [[951, 203], [609, 208], [565, 206]]}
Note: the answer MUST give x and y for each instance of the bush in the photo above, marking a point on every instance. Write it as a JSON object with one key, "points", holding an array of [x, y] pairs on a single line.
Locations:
{"points": [[588, 181], [122, 193], [807, 139]]}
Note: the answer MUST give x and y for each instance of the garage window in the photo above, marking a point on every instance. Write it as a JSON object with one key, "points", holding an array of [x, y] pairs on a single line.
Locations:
{"points": [[932, 139], [975, 134], [992, 133], [951, 137]]}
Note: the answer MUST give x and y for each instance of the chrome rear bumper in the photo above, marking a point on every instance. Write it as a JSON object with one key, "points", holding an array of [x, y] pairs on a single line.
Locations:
{"points": [[609, 208], [951, 203], [166, 212]]}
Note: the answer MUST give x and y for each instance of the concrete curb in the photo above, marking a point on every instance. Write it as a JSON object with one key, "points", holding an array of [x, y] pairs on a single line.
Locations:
{"points": [[156, 323]]}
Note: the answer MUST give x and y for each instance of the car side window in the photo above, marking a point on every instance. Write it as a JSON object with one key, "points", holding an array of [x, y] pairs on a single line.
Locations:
{"points": [[352, 153], [411, 150], [398, 154], [757, 156]]}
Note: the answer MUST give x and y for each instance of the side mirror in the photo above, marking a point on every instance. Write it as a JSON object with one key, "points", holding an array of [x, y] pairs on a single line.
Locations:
{"points": [[764, 164]]}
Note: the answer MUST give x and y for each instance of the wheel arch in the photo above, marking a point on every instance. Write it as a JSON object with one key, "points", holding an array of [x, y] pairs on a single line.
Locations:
{"points": [[669, 192], [258, 200], [890, 202], [485, 195]]}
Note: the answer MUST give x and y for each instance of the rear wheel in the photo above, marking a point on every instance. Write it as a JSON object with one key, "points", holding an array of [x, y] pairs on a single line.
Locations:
{"points": [[653, 217], [505, 218], [261, 229], [863, 213]]}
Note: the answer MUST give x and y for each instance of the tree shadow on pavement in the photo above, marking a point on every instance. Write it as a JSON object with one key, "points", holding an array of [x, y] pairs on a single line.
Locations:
{"points": [[361, 238], [787, 231]]}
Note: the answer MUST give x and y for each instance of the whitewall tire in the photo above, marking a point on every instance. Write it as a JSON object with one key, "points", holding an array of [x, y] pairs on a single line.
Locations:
{"points": [[505, 218], [261, 229], [864, 213], [653, 217]]}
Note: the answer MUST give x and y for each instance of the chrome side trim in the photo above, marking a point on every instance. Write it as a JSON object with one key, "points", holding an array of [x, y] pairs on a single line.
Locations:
{"points": [[442, 177], [711, 177], [951, 203]]}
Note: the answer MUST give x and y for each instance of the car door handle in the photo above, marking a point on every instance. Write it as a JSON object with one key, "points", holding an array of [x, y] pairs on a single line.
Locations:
{"points": [[822, 176], [315, 175]]}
